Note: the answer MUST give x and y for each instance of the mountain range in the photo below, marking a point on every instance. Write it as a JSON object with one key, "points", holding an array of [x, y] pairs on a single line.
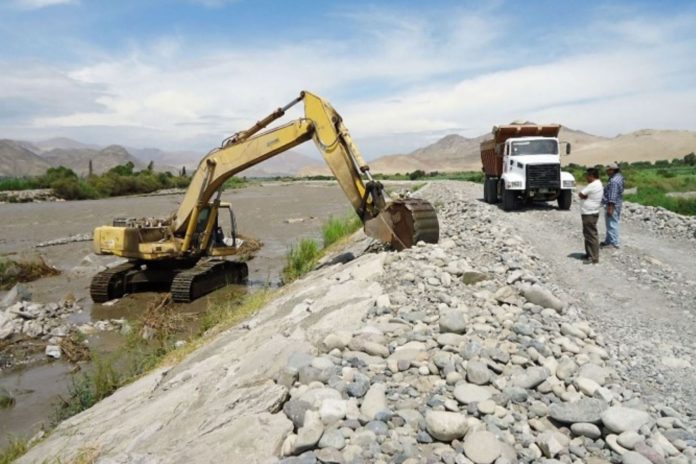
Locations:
{"points": [[450, 153], [456, 153]]}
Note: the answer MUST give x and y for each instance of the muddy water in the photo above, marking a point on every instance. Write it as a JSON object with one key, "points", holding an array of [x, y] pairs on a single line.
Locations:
{"points": [[277, 214]]}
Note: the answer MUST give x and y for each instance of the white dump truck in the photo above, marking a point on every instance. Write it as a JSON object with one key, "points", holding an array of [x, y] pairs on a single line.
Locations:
{"points": [[522, 164]]}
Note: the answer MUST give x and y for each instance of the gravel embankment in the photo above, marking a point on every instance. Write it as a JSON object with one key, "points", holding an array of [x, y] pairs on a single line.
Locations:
{"points": [[474, 355]]}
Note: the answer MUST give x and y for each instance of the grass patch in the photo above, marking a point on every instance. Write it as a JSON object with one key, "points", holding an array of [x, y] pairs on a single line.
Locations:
{"points": [[301, 259], [654, 180], [89, 388], [6, 398], [235, 183], [18, 183], [218, 317], [304, 255], [12, 271], [336, 228], [87, 455], [151, 343], [652, 196], [16, 448]]}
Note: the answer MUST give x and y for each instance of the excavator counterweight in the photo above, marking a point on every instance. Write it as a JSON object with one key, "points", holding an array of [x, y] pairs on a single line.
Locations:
{"points": [[186, 253]]}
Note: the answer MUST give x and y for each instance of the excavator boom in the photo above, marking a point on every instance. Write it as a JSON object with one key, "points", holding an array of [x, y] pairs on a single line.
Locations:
{"points": [[401, 223], [168, 252]]}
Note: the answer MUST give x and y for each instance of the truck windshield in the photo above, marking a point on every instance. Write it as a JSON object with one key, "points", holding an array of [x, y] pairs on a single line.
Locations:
{"points": [[535, 147]]}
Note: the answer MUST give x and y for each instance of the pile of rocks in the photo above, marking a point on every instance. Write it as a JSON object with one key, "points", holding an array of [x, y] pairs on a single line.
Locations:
{"points": [[64, 240], [462, 362], [662, 221], [36, 320], [27, 196]]}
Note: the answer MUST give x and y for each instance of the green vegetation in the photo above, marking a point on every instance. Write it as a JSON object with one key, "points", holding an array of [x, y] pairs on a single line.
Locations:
{"points": [[301, 259], [120, 180], [17, 183], [16, 448], [229, 312], [151, 342], [6, 399], [337, 228], [235, 183], [12, 271], [652, 196], [304, 255], [654, 180]]}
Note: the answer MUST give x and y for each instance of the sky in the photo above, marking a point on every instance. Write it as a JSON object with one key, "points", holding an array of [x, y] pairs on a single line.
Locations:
{"points": [[185, 74]]}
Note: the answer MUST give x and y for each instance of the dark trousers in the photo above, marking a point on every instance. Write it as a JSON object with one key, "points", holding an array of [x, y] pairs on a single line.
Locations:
{"points": [[589, 231]]}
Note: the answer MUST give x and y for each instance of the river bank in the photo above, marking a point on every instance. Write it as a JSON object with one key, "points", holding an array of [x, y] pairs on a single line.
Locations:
{"points": [[472, 350]]}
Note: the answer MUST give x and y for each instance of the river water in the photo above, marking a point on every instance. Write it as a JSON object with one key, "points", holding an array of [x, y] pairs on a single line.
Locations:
{"points": [[275, 213]]}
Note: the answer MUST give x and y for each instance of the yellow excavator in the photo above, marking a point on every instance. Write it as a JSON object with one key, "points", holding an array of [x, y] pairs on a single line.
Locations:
{"points": [[186, 253]]}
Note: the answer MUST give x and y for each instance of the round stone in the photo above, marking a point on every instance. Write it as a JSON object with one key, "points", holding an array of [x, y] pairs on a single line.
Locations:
{"points": [[583, 410], [467, 393], [445, 426], [482, 447], [585, 429]]}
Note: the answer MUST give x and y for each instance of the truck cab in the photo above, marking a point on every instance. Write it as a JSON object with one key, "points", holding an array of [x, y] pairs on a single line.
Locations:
{"points": [[525, 167]]}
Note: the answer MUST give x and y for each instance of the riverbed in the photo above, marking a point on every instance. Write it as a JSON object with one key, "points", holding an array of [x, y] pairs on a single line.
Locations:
{"points": [[278, 214]]}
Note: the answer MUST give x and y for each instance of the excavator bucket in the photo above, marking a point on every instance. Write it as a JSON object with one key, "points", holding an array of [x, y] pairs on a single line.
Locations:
{"points": [[403, 223]]}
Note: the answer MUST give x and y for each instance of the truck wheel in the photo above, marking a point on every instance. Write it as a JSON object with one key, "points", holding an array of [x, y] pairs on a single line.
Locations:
{"points": [[486, 198], [565, 199], [508, 199], [491, 187]]}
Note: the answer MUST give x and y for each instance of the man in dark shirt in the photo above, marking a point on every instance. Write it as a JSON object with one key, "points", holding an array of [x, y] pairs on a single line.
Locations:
{"points": [[613, 201]]}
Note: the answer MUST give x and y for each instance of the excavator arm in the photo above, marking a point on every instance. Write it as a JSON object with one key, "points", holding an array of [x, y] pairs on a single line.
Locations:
{"points": [[401, 223], [168, 253]]}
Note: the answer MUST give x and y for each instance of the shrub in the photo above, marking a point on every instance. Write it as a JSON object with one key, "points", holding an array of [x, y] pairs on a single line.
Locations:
{"points": [[301, 259], [14, 449], [12, 271], [18, 183], [74, 189], [337, 228], [417, 174]]}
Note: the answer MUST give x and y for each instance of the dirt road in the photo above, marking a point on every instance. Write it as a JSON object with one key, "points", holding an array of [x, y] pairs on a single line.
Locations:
{"points": [[642, 297]]}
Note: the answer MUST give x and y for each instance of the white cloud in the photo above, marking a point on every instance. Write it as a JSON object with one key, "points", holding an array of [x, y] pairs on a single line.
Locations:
{"points": [[36, 4], [400, 82]]}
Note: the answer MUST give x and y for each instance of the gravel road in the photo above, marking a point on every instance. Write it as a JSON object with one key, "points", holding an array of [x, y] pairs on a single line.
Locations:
{"points": [[642, 297]]}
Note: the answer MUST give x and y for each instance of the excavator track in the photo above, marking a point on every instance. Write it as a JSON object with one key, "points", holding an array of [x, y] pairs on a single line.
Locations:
{"points": [[413, 220], [206, 277], [110, 283]]}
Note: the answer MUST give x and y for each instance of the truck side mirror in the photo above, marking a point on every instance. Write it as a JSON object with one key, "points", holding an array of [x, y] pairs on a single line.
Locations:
{"points": [[567, 148]]}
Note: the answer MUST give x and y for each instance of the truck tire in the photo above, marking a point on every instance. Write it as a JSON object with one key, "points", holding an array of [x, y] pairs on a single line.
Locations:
{"points": [[491, 187], [565, 199], [486, 198], [508, 199]]}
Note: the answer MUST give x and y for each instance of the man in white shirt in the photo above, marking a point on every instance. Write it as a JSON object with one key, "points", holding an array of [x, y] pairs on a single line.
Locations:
{"points": [[590, 202]]}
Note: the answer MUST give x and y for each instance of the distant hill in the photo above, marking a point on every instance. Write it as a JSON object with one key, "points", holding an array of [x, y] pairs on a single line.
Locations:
{"points": [[457, 153], [642, 145], [174, 159], [63, 143], [16, 160], [78, 159]]}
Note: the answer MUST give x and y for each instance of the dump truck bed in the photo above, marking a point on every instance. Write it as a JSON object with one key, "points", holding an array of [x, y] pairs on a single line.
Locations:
{"points": [[492, 160]]}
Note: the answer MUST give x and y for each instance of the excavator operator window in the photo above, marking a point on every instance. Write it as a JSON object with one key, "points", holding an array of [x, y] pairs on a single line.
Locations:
{"points": [[202, 220]]}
